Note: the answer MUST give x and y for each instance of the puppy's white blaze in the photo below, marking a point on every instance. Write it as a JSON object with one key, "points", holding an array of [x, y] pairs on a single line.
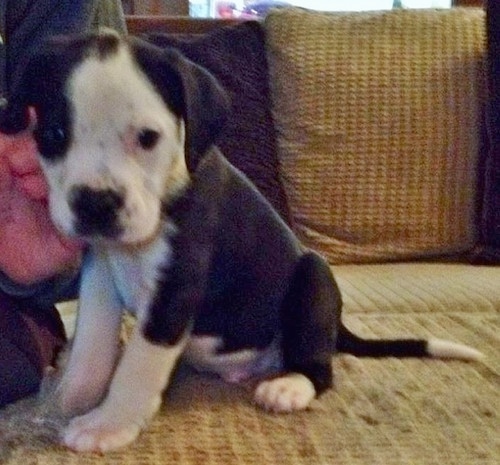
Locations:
{"points": [[109, 95], [112, 100], [440, 348]]}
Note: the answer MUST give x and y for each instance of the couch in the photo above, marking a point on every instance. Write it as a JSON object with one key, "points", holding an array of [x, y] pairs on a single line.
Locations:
{"points": [[373, 135]]}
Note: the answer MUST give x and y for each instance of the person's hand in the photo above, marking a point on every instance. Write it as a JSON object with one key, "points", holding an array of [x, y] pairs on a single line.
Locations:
{"points": [[31, 249]]}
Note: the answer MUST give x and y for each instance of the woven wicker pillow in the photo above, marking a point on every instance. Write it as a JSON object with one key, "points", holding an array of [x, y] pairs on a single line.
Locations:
{"points": [[378, 116]]}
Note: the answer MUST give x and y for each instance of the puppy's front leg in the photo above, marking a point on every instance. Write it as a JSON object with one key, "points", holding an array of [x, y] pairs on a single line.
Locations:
{"points": [[134, 397], [95, 347]]}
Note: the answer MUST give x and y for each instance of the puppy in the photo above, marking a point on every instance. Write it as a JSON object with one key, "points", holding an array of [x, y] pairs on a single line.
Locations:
{"points": [[178, 236]]}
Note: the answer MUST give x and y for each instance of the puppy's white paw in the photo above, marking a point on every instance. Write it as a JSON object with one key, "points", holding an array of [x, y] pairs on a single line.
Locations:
{"points": [[287, 393], [98, 431]]}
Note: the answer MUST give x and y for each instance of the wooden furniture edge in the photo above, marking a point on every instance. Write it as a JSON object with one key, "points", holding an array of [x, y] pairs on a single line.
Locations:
{"points": [[175, 24]]}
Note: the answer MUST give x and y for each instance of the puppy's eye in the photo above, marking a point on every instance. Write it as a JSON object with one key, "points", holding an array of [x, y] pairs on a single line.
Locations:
{"points": [[148, 138], [52, 141]]}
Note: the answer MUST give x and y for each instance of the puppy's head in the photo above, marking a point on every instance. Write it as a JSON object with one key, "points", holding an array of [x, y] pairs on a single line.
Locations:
{"points": [[118, 124]]}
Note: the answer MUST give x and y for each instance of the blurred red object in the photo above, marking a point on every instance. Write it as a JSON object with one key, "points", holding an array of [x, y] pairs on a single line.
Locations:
{"points": [[225, 9], [252, 10]]}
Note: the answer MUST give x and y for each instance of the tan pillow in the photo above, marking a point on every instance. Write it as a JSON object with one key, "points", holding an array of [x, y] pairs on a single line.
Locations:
{"points": [[378, 116]]}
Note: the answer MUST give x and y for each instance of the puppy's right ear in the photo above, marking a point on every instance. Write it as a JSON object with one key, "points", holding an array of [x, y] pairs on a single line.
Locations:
{"points": [[14, 116], [191, 91]]}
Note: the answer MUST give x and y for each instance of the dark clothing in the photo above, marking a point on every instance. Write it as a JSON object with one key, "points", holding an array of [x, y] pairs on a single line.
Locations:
{"points": [[30, 338], [25, 23]]}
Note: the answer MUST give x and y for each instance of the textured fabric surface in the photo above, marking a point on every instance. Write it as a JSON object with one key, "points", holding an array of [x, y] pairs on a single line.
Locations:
{"points": [[378, 116], [386, 411], [236, 56], [402, 288]]}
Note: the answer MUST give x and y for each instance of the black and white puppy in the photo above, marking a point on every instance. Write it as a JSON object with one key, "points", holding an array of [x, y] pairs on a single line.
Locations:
{"points": [[211, 271]]}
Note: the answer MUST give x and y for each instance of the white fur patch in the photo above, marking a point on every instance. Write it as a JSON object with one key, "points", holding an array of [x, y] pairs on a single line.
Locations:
{"points": [[288, 393], [440, 348], [136, 271], [234, 367]]}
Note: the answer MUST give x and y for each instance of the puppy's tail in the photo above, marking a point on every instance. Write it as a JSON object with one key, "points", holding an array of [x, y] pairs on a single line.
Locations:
{"points": [[436, 348], [314, 287]]}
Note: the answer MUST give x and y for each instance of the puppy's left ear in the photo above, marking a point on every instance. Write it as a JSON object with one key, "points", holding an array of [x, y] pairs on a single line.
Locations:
{"points": [[192, 92], [206, 106]]}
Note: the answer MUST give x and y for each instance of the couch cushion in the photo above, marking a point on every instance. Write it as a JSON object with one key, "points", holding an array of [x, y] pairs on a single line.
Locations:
{"points": [[236, 56], [378, 116], [411, 289]]}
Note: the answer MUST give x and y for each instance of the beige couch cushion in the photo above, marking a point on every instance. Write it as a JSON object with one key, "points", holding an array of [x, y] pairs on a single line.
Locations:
{"points": [[378, 116], [409, 289]]}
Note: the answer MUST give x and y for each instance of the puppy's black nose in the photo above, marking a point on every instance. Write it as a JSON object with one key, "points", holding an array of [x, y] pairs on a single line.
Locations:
{"points": [[96, 210]]}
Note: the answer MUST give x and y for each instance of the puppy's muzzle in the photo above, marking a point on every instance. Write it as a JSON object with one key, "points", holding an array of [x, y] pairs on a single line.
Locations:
{"points": [[96, 211]]}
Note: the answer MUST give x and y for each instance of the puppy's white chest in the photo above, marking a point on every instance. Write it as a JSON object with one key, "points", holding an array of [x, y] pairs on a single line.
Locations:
{"points": [[136, 272]]}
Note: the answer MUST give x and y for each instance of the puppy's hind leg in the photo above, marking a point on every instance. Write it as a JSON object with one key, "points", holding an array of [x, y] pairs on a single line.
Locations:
{"points": [[310, 318]]}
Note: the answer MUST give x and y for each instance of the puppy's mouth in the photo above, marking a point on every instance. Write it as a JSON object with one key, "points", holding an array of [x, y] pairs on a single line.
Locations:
{"points": [[109, 231], [118, 240], [113, 234], [102, 216]]}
